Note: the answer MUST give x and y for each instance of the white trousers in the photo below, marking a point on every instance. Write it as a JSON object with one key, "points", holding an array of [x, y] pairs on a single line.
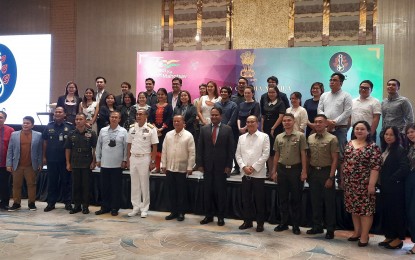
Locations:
{"points": [[140, 182]]}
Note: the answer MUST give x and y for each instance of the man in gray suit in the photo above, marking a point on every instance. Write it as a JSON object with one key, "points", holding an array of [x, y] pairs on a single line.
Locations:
{"points": [[214, 158], [24, 159]]}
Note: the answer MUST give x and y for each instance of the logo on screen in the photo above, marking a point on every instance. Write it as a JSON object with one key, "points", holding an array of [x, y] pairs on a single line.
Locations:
{"points": [[8, 73], [340, 62], [247, 60]]}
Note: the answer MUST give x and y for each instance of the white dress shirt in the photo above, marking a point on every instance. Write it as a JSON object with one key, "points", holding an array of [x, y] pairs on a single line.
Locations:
{"points": [[178, 154], [253, 150]]}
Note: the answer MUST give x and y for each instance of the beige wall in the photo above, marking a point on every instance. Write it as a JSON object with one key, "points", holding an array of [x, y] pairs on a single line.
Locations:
{"points": [[108, 36], [260, 24], [396, 30]]}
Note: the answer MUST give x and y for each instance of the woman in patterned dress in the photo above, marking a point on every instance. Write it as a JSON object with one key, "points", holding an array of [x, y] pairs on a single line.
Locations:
{"points": [[362, 161]]}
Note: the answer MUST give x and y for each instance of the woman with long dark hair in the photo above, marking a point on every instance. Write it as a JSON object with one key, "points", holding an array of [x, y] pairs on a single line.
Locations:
{"points": [[105, 111], [394, 169], [410, 184], [89, 106], [161, 116], [187, 110], [70, 101], [127, 110]]}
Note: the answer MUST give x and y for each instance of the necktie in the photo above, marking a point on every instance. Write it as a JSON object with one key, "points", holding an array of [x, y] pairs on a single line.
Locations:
{"points": [[214, 133]]}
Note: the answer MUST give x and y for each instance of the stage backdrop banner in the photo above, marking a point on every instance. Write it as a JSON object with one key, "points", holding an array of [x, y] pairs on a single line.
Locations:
{"points": [[296, 68]]}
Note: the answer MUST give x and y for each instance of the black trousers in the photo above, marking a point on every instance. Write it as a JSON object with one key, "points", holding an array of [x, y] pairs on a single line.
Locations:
{"points": [[4, 187], [111, 188], [320, 196], [59, 181], [177, 191], [289, 184], [80, 186], [393, 213], [214, 184], [253, 199]]}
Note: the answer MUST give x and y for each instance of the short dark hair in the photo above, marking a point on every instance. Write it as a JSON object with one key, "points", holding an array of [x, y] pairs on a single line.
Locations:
{"points": [[203, 85], [340, 75], [228, 89], [126, 83], [246, 80], [177, 78], [218, 109], [319, 84], [63, 108], [81, 114], [289, 115], [273, 78], [368, 82], [4, 114], [152, 80], [321, 115], [367, 126], [115, 111], [99, 77], [397, 82], [142, 110], [31, 119]]}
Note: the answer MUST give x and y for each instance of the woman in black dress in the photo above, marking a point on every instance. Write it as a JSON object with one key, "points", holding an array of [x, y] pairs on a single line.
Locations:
{"points": [[272, 112], [317, 88], [70, 101], [393, 172], [127, 110]]}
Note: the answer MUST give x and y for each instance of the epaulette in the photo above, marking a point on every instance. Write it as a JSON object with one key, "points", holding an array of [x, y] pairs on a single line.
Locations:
{"points": [[132, 125], [150, 125], [69, 123]]}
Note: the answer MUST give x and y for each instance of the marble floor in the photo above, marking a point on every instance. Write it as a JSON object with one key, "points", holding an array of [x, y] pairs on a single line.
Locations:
{"points": [[28, 234]]}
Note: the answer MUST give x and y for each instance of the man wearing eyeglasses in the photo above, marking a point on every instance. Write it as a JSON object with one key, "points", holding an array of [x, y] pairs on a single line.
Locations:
{"points": [[336, 105], [111, 157], [366, 108]]}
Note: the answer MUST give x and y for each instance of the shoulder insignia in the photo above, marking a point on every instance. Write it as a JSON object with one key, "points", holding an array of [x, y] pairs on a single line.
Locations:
{"points": [[150, 125]]}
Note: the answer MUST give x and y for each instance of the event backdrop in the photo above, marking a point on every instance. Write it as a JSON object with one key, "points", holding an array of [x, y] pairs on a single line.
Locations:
{"points": [[296, 68]]}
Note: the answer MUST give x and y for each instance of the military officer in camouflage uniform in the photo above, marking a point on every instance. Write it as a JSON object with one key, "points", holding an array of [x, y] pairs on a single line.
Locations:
{"points": [[80, 159]]}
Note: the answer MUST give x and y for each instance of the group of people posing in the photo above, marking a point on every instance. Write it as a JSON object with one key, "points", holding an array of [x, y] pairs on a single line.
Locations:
{"points": [[166, 132]]}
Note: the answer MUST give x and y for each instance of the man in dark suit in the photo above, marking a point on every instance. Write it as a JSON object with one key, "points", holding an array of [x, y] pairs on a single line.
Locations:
{"points": [[173, 98], [214, 158], [102, 94]]}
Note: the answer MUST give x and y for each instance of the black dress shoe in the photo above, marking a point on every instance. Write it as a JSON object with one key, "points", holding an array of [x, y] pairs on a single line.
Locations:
{"points": [[206, 220], [76, 209], [85, 210], [180, 217], [360, 244], [49, 208], [280, 228], [101, 211], [4, 207], [68, 206], [296, 230], [260, 228], [330, 234], [246, 225], [235, 172], [314, 231], [385, 242], [114, 212], [221, 222], [353, 239], [171, 216], [398, 246]]}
